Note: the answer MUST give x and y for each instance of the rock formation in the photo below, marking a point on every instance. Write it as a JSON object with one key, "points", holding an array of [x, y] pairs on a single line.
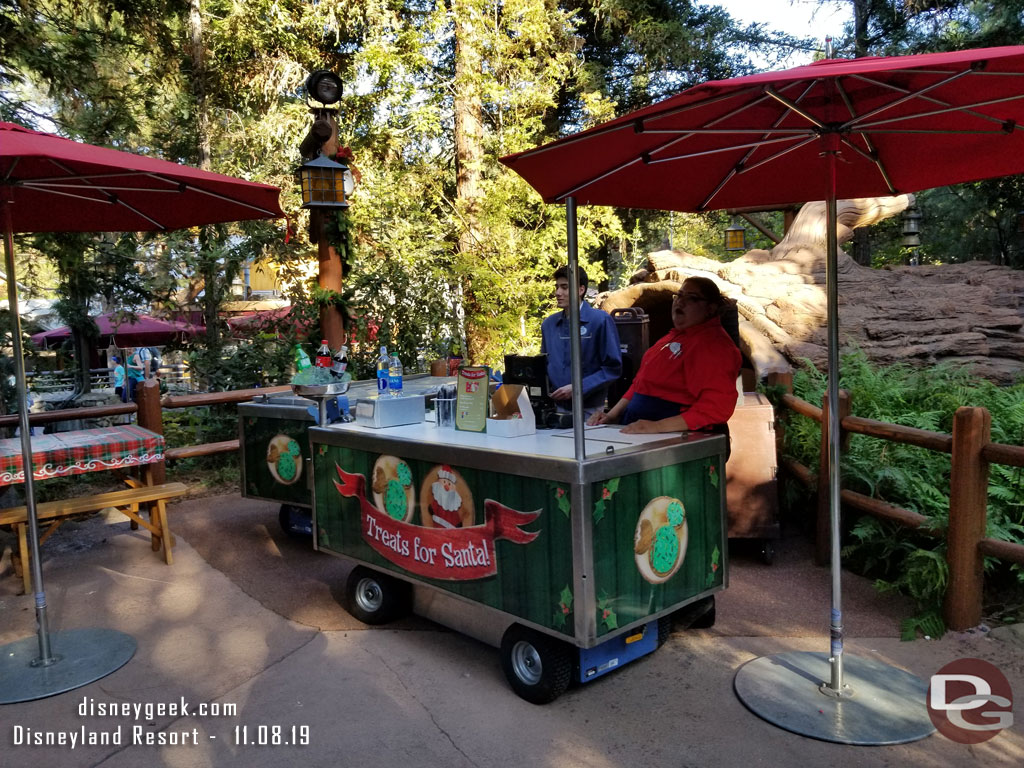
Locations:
{"points": [[969, 313]]}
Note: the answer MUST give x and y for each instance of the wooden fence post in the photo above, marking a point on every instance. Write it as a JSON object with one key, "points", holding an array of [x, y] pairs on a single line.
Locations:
{"points": [[823, 527], [968, 509], [150, 416]]}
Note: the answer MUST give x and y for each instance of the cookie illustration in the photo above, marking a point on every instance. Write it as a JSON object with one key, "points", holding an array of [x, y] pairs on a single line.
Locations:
{"points": [[660, 540], [284, 459], [392, 488]]}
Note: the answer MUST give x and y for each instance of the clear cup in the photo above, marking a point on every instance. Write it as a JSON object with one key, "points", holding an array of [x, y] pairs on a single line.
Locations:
{"points": [[444, 411]]}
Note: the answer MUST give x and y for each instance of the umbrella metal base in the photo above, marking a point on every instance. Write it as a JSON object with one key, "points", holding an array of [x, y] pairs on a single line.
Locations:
{"points": [[81, 656], [886, 705]]}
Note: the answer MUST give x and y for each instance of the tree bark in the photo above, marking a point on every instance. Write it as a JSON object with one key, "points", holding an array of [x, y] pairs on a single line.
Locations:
{"points": [[468, 107]]}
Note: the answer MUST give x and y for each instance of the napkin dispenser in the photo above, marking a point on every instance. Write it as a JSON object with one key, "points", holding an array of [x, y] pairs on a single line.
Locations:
{"points": [[387, 411]]}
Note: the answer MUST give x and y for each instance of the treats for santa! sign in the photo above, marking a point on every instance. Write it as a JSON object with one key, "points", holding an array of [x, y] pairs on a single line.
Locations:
{"points": [[444, 543]]}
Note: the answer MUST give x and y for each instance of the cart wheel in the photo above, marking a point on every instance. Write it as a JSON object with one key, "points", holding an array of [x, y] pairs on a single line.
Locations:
{"points": [[538, 667], [664, 630], [706, 618], [375, 598], [767, 553], [296, 521]]}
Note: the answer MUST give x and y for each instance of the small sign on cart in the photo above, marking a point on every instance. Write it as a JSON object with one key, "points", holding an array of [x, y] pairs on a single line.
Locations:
{"points": [[471, 398]]}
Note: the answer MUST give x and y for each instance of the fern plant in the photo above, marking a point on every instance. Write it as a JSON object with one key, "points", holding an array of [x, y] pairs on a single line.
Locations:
{"points": [[902, 560]]}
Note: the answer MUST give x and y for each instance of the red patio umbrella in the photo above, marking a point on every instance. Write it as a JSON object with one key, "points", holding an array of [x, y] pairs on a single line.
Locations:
{"points": [[835, 128], [124, 332], [53, 184]]}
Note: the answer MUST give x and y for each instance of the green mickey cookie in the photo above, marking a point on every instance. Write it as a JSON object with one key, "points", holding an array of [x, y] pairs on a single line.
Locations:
{"points": [[664, 550], [395, 502], [286, 466], [675, 514]]}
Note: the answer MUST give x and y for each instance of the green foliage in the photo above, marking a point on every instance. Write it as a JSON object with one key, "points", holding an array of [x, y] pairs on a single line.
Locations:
{"points": [[914, 478]]}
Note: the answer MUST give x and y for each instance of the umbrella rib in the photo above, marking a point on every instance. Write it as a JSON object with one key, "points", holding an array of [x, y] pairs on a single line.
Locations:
{"points": [[732, 174], [964, 108], [859, 121], [646, 156], [111, 198], [717, 150], [183, 185], [872, 153], [632, 124], [940, 102], [741, 165], [107, 201], [47, 185], [793, 107]]}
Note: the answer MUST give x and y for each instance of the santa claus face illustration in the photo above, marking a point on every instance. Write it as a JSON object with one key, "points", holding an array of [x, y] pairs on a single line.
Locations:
{"points": [[445, 499]]}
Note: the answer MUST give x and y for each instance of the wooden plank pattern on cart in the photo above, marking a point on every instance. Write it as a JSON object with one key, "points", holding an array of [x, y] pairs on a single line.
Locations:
{"points": [[622, 590], [530, 578]]}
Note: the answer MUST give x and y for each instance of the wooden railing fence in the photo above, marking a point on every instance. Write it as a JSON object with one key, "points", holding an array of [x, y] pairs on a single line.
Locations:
{"points": [[971, 451]]}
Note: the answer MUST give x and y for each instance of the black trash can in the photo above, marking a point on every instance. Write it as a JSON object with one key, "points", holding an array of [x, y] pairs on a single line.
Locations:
{"points": [[634, 339]]}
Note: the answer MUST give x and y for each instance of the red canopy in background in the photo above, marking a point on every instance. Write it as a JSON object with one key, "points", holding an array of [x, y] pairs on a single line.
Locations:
{"points": [[144, 331]]}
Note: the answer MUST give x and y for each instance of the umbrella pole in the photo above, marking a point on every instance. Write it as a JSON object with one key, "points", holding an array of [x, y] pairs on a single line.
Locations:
{"points": [[33, 670], [835, 687], [45, 657], [576, 357]]}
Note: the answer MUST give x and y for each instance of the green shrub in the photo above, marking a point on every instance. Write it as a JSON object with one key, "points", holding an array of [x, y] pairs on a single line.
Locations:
{"points": [[900, 559]]}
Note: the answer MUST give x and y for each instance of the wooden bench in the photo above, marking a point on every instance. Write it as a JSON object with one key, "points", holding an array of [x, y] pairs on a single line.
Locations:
{"points": [[127, 502]]}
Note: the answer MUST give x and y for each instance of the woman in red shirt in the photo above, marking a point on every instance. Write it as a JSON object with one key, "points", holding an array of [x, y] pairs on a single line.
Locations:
{"points": [[687, 379]]}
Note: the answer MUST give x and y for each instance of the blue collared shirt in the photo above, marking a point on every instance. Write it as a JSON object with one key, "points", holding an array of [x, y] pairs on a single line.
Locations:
{"points": [[600, 355]]}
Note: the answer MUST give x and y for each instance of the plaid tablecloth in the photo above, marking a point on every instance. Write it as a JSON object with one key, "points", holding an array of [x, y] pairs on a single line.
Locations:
{"points": [[85, 450]]}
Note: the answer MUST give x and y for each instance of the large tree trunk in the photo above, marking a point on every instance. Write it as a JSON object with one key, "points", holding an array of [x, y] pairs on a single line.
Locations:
{"points": [[210, 269], [468, 143]]}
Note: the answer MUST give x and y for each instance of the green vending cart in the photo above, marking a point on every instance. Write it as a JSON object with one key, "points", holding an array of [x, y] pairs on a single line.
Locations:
{"points": [[571, 568]]}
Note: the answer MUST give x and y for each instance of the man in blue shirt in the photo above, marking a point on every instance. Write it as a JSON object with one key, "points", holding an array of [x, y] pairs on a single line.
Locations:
{"points": [[600, 356]]}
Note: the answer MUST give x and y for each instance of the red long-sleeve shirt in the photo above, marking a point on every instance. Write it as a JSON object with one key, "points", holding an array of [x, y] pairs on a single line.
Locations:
{"points": [[697, 368]]}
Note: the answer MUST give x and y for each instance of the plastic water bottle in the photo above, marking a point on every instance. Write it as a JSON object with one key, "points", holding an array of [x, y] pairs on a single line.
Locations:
{"points": [[323, 355], [383, 364], [395, 377], [301, 359]]}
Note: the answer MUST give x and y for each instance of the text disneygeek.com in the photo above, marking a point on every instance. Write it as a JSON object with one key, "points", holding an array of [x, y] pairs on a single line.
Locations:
{"points": [[141, 732]]}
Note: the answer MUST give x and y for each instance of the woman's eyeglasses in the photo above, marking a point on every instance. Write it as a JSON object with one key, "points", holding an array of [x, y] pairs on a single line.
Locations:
{"points": [[688, 298]]}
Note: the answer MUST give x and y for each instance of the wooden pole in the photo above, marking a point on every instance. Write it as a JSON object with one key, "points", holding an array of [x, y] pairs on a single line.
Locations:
{"points": [[968, 507], [147, 395], [822, 539]]}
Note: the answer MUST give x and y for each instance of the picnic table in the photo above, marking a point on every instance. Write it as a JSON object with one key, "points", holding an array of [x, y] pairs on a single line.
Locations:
{"points": [[62, 454]]}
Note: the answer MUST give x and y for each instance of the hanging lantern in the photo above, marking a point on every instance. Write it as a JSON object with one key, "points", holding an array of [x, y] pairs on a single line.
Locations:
{"points": [[911, 228], [735, 237], [324, 183]]}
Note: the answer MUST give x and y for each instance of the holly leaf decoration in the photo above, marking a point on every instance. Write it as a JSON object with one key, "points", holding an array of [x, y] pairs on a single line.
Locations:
{"points": [[564, 608], [599, 511], [566, 597], [561, 497], [612, 486], [713, 475]]}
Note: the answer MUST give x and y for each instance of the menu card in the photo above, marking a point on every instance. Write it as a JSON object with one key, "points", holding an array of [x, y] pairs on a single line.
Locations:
{"points": [[471, 398]]}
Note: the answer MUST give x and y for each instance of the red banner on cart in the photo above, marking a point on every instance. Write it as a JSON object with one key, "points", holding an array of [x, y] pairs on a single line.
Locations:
{"points": [[459, 554]]}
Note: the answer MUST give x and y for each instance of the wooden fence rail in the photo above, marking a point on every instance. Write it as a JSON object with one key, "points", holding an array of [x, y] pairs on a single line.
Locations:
{"points": [[971, 450]]}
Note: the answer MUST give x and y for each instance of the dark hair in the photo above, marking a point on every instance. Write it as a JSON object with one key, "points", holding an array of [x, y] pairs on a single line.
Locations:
{"points": [[708, 289], [116, 359], [581, 275]]}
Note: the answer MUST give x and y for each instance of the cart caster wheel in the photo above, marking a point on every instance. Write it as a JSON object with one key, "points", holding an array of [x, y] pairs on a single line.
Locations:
{"points": [[664, 630], [702, 613], [767, 553], [537, 667], [375, 598], [297, 522]]}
